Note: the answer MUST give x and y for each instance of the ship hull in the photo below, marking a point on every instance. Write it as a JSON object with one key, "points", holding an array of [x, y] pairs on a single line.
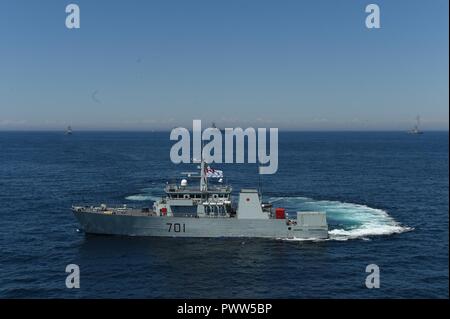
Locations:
{"points": [[156, 226]]}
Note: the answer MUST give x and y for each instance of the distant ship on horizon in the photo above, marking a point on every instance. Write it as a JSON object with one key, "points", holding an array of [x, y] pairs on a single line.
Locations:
{"points": [[69, 130], [416, 129]]}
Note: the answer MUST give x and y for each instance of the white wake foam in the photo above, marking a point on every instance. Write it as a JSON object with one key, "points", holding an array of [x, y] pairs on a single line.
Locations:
{"points": [[141, 197], [346, 220], [147, 194]]}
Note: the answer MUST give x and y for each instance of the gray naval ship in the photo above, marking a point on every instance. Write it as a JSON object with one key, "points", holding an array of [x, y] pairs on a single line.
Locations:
{"points": [[197, 207]]}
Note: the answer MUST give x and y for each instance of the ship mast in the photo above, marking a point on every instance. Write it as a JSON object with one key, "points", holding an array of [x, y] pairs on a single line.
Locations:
{"points": [[203, 178], [260, 183]]}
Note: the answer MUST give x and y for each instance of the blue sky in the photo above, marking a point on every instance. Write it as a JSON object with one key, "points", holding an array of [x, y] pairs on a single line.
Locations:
{"points": [[304, 65]]}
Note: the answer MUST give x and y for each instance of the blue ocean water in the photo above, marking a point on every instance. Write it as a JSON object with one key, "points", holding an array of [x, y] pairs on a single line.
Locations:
{"points": [[386, 195]]}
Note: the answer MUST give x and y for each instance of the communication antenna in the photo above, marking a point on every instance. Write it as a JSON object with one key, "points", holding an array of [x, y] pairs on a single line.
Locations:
{"points": [[203, 176], [260, 191]]}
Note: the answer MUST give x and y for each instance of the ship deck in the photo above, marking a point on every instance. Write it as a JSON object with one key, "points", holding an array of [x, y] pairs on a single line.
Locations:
{"points": [[127, 211]]}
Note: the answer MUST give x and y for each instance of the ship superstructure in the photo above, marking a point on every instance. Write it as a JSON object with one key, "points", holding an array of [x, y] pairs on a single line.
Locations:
{"points": [[416, 128]]}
